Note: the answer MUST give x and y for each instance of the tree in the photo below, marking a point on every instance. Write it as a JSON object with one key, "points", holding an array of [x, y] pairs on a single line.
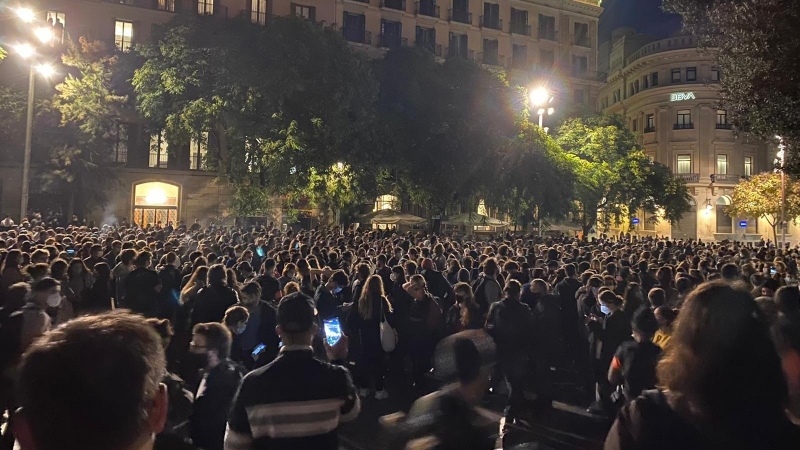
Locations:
{"points": [[752, 42], [614, 177], [760, 198], [443, 126], [90, 112], [282, 104]]}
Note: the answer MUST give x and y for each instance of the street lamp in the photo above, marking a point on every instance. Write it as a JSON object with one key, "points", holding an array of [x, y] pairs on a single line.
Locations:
{"points": [[25, 51], [782, 159], [540, 97], [44, 34], [27, 15]]}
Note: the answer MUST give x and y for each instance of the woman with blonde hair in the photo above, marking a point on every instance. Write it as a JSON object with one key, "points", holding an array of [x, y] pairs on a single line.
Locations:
{"points": [[364, 321], [465, 314]]}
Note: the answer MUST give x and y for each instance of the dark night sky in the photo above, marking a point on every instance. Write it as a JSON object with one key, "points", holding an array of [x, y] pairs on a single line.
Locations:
{"points": [[643, 15]]}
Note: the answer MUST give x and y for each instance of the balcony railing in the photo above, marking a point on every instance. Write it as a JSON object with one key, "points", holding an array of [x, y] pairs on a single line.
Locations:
{"points": [[664, 45], [436, 49], [688, 177], [392, 41], [491, 59], [683, 126], [456, 15], [724, 126], [356, 35], [583, 42], [548, 35], [394, 4], [468, 55], [427, 8], [650, 129], [213, 10], [491, 22], [728, 178], [520, 28], [256, 16]]}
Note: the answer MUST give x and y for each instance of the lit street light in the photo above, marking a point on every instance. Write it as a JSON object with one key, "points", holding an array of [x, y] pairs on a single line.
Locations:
{"points": [[540, 97], [27, 15], [44, 34], [46, 70], [24, 50]]}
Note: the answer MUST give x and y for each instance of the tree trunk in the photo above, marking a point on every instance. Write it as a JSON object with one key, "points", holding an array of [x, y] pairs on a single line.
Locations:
{"points": [[70, 206]]}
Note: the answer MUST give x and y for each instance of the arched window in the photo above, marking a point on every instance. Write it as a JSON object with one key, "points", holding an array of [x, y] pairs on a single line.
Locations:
{"points": [[724, 221], [155, 202]]}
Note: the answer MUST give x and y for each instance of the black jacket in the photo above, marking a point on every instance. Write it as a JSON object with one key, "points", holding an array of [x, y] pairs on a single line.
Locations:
{"points": [[211, 303], [612, 332], [212, 402], [510, 323]]}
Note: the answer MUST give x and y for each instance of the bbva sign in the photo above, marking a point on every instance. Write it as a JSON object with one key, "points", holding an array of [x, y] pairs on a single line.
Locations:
{"points": [[679, 96]]}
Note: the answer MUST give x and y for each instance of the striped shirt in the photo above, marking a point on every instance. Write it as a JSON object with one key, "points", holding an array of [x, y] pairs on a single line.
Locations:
{"points": [[295, 402]]}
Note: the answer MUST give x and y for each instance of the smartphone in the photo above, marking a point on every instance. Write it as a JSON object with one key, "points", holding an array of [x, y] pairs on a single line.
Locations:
{"points": [[71, 251], [260, 252], [296, 246], [772, 271], [259, 348], [333, 330]]}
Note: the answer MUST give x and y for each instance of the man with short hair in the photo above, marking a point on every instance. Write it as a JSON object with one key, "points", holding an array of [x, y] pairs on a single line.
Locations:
{"points": [[95, 256], [113, 365], [297, 401], [142, 286], [210, 351]]}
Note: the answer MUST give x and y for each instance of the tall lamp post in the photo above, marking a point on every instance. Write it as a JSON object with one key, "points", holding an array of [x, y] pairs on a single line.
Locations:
{"points": [[540, 98], [782, 159], [26, 51]]}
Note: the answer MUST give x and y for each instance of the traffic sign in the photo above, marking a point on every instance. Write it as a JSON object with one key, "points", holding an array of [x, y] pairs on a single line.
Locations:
{"points": [[635, 221], [743, 223]]}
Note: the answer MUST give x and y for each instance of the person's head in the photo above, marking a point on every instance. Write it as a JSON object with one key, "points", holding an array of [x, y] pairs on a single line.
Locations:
{"points": [[373, 289], [769, 287], [217, 276], [730, 271], [250, 293], [127, 256], [539, 287], [296, 317], [236, 318], [163, 328], [143, 259], [16, 296], [102, 272], [609, 302], [13, 259], [40, 256], [37, 271], [683, 285], [93, 383], [46, 293], [721, 345], [657, 297], [211, 343], [337, 282], [289, 270], [570, 270], [664, 276], [398, 275], [291, 287], [96, 251], [468, 363], [665, 317], [464, 294], [513, 289], [416, 287], [644, 324], [787, 298], [490, 267]]}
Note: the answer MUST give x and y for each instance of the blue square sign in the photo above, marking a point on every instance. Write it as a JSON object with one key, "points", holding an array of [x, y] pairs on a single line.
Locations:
{"points": [[635, 221], [743, 223]]}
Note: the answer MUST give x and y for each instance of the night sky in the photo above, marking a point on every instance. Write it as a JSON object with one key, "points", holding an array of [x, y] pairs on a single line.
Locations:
{"points": [[643, 15]]}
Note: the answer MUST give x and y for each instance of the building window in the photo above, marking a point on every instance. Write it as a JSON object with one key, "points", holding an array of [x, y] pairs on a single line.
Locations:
{"points": [[519, 21], [646, 82], [724, 221], [654, 79], [651, 123], [519, 56], [426, 38], [714, 74], [354, 28], [307, 12], [123, 35], [752, 226], [580, 65], [636, 86], [205, 7], [459, 46], [582, 34], [166, 5], [547, 27], [684, 164], [258, 12], [691, 74], [120, 144], [684, 119], [547, 59], [386, 201], [158, 151], [57, 20], [490, 52], [198, 150], [577, 96], [391, 34], [748, 166], [676, 75], [722, 120], [635, 125], [722, 164]]}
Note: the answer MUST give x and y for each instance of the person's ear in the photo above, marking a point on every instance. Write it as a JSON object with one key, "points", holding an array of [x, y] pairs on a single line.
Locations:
{"points": [[22, 431], [279, 331], [157, 414]]}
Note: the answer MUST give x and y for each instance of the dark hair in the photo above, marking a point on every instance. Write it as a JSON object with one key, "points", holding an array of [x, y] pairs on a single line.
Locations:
{"points": [[468, 360], [721, 345], [45, 284], [235, 314], [103, 271], [787, 298], [216, 275], [513, 288], [162, 327], [218, 337], [127, 255], [610, 297], [142, 258], [113, 364], [644, 321], [657, 297], [251, 288], [729, 271]]}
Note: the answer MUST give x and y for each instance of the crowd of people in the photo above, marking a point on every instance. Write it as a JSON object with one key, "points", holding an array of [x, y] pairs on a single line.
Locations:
{"points": [[221, 338]]}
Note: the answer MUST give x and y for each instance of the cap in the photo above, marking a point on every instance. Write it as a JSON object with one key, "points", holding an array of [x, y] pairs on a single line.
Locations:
{"points": [[296, 313]]}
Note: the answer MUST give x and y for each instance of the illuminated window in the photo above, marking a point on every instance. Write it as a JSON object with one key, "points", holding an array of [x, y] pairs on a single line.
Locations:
{"points": [[722, 164], [155, 203], [158, 151], [748, 166], [722, 117], [57, 20], [198, 149], [166, 5], [306, 12], [651, 123], [724, 221], [205, 7], [684, 164], [386, 201], [258, 14], [123, 35]]}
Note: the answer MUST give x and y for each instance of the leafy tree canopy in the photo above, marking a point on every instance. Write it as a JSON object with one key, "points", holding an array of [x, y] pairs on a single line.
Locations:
{"points": [[760, 198]]}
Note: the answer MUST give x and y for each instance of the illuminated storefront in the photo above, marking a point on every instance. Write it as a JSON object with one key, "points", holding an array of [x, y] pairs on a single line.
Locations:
{"points": [[155, 202]]}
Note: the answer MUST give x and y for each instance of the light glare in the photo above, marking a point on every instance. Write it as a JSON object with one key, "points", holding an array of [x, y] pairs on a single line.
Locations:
{"points": [[44, 34], [46, 70], [24, 50], [539, 96], [26, 14]]}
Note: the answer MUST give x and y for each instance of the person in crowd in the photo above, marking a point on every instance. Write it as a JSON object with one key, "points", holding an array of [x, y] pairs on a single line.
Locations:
{"points": [[566, 290], [120, 271], [511, 323], [35, 320], [210, 352], [284, 391], [170, 278], [328, 297], [142, 286], [372, 309], [487, 287], [423, 327], [546, 348], [665, 317], [99, 298], [260, 329], [787, 299], [95, 256], [721, 383], [235, 320], [465, 314], [610, 327], [11, 271], [214, 299], [634, 364], [94, 356]]}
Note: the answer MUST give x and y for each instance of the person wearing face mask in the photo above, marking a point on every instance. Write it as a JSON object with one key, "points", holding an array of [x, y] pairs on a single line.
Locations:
{"points": [[423, 327], [209, 351], [609, 327], [327, 298], [259, 329], [35, 321], [236, 320]]}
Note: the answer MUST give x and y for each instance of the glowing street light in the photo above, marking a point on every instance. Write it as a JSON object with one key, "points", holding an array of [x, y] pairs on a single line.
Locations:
{"points": [[27, 15], [44, 34], [25, 50], [46, 70], [539, 96]]}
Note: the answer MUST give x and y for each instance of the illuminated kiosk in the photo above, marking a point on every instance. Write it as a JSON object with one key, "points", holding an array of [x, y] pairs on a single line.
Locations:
{"points": [[154, 203], [384, 216]]}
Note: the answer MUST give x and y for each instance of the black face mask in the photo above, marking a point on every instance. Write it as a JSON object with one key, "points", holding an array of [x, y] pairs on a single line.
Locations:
{"points": [[196, 361]]}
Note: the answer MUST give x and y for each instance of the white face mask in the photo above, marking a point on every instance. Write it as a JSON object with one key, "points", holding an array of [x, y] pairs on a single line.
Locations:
{"points": [[240, 329], [54, 300], [393, 277]]}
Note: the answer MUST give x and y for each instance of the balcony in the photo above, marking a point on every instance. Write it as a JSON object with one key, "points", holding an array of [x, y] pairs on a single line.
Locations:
{"points": [[547, 34], [664, 45], [520, 28], [160, 5], [456, 15], [399, 5], [688, 177], [491, 22], [520, 63], [583, 42], [650, 129], [455, 52], [491, 59], [725, 178], [436, 49], [391, 41], [724, 126], [683, 126], [427, 8], [357, 35]]}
